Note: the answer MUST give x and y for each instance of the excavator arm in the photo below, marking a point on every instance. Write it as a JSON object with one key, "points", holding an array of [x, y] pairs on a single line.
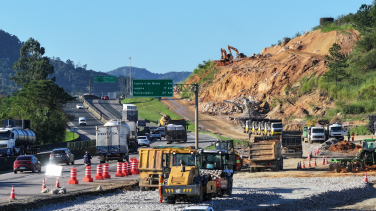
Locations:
{"points": [[236, 50]]}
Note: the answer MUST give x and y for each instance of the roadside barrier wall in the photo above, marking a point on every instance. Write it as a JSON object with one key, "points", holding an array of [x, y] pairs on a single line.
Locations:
{"points": [[95, 112]]}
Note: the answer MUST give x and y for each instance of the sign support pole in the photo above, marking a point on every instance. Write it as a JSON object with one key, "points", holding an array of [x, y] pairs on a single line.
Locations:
{"points": [[196, 115]]}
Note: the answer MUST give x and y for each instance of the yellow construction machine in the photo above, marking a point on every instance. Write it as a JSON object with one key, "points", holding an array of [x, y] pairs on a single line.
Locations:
{"points": [[238, 55], [153, 161], [184, 181]]}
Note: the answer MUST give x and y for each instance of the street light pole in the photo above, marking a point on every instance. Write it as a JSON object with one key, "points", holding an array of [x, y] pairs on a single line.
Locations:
{"points": [[130, 70]]}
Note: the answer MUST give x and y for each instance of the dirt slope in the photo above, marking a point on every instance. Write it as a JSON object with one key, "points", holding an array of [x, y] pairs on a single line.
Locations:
{"points": [[266, 75]]}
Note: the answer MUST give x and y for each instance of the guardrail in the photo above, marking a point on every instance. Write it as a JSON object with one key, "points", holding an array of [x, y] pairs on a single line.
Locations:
{"points": [[81, 144], [95, 112]]}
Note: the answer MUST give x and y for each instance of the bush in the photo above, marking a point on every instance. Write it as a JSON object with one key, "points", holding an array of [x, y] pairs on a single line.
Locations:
{"points": [[354, 108]]}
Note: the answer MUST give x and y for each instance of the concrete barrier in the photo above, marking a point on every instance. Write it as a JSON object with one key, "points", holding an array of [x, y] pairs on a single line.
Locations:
{"points": [[95, 112]]}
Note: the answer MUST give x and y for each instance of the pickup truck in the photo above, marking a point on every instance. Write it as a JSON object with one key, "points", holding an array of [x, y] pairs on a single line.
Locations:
{"points": [[155, 135], [162, 131]]}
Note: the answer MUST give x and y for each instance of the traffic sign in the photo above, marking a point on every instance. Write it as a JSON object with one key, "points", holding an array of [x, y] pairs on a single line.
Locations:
{"points": [[110, 79], [99, 79], [152, 88], [104, 79]]}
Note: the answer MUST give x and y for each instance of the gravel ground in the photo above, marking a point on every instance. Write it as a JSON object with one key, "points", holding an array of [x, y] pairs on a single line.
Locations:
{"points": [[248, 194]]}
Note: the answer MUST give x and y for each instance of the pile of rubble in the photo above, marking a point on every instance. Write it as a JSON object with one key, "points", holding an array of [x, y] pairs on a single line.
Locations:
{"points": [[344, 146]]}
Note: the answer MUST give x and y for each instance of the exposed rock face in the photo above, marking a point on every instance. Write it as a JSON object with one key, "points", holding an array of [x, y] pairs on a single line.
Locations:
{"points": [[275, 74]]}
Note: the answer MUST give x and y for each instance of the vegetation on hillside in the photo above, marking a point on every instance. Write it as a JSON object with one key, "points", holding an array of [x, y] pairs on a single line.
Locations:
{"points": [[205, 72], [40, 100], [350, 80]]}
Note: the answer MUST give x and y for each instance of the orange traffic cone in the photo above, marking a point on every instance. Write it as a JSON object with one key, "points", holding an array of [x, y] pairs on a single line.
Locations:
{"points": [[12, 196], [44, 184], [57, 183], [326, 160], [314, 163], [323, 160], [309, 164], [366, 178], [303, 165]]}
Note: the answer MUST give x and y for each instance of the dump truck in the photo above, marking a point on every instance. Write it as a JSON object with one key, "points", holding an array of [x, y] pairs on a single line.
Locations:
{"points": [[292, 144], [185, 183], [265, 152], [175, 129], [273, 127], [217, 165], [152, 162]]}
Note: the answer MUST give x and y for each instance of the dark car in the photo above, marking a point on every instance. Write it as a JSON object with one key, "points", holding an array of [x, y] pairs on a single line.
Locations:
{"points": [[106, 98], [147, 129], [62, 155], [27, 163]]}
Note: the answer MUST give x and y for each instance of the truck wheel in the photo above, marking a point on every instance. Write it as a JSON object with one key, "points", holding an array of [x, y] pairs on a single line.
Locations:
{"points": [[281, 166], [252, 169], [171, 200], [169, 142], [142, 188], [349, 168]]}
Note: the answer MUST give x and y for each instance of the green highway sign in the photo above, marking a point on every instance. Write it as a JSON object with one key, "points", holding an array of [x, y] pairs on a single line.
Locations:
{"points": [[104, 79], [110, 79], [152, 88], [98, 79]]}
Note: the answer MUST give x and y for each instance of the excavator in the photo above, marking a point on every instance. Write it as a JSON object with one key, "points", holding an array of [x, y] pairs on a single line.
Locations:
{"points": [[238, 55], [224, 57]]}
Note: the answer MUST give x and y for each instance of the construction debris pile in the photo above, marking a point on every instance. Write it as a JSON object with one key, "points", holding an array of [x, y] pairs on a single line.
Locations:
{"points": [[344, 146]]}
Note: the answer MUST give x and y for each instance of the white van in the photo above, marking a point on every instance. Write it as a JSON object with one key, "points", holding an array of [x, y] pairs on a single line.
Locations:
{"points": [[82, 121]]}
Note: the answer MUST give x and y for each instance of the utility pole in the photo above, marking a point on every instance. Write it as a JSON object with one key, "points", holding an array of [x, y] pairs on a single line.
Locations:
{"points": [[196, 114], [89, 86], [125, 87], [130, 70]]}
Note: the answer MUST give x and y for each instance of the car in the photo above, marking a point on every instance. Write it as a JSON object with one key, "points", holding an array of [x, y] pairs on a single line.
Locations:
{"points": [[162, 131], [152, 129], [198, 208], [79, 106], [155, 134], [81, 121], [61, 155], [27, 163], [143, 141], [106, 98], [141, 123], [147, 129]]}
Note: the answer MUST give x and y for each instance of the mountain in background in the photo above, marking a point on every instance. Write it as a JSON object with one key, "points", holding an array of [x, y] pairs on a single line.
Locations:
{"points": [[73, 77], [142, 73]]}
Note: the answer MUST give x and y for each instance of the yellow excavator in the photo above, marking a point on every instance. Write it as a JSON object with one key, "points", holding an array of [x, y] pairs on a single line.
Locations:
{"points": [[224, 56], [238, 55]]}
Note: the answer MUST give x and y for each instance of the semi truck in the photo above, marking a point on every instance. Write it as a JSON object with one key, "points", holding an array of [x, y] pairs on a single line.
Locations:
{"points": [[265, 152], [129, 113], [114, 141], [112, 95], [152, 162], [292, 144], [17, 139]]}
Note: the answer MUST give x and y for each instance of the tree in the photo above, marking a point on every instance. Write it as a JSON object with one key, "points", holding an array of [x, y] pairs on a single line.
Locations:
{"points": [[336, 62], [363, 18], [31, 65]]}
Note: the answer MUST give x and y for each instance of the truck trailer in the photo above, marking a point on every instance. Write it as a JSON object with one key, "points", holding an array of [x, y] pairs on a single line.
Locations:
{"points": [[17, 139], [265, 152]]}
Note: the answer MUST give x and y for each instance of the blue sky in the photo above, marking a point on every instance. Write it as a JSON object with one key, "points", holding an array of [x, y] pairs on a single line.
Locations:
{"points": [[161, 36]]}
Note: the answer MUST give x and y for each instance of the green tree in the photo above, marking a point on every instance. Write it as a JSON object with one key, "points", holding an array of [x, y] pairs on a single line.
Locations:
{"points": [[31, 65], [336, 62], [363, 19]]}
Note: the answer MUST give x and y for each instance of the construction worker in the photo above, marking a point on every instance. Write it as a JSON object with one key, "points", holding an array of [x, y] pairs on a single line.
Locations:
{"points": [[348, 135], [249, 136]]}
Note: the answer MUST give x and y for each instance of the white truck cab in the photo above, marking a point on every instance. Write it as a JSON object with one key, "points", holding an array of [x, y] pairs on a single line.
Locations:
{"points": [[81, 121], [316, 134]]}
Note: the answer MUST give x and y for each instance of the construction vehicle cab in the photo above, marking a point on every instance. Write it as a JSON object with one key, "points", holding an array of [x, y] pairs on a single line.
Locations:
{"points": [[234, 158], [184, 182]]}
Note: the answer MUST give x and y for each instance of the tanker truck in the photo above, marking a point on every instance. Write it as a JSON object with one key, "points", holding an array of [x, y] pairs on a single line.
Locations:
{"points": [[17, 139], [115, 140]]}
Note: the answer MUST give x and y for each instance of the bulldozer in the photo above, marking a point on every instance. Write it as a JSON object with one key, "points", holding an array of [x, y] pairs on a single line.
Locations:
{"points": [[238, 55]]}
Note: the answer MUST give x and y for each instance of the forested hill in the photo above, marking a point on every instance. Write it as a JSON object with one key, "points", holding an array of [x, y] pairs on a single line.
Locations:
{"points": [[73, 77], [142, 73]]}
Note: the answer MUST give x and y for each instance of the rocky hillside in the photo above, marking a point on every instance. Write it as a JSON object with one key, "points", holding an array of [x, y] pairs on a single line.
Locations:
{"points": [[274, 77]]}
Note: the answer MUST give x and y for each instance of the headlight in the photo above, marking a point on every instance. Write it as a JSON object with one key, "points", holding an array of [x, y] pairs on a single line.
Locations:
{"points": [[178, 190]]}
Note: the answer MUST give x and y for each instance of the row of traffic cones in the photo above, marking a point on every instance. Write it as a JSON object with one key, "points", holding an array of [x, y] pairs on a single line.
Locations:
{"points": [[302, 165]]}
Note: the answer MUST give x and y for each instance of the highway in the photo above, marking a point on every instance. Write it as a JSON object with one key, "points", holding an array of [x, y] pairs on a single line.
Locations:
{"points": [[29, 184]]}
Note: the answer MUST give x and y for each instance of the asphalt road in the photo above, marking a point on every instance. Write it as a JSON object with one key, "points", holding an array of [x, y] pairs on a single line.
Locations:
{"points": [[29, 184]]}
